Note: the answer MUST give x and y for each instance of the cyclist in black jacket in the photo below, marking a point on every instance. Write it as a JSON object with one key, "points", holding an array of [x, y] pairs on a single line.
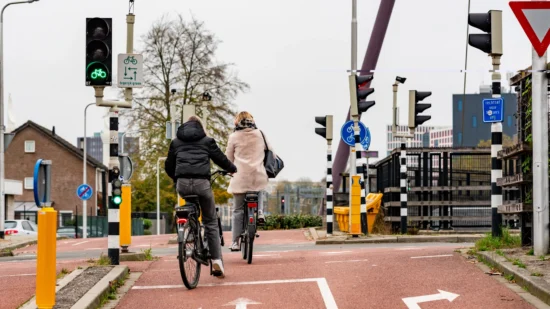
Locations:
{"points": [[188, 164]]}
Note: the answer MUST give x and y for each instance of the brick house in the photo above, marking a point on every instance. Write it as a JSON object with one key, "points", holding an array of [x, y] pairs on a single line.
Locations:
{"points": [[33, 142]]}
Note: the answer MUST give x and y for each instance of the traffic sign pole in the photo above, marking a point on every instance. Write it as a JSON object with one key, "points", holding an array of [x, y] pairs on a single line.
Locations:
{"points": [[533, 17], [540, 156]]}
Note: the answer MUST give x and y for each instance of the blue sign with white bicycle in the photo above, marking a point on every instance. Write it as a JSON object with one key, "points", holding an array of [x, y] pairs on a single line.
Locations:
{"points": [[493, 110], [348, 136], [84, 192]]}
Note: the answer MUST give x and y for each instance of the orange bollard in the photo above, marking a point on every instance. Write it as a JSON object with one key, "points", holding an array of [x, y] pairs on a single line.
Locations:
{"points": [[46, 258], [126, 217]]}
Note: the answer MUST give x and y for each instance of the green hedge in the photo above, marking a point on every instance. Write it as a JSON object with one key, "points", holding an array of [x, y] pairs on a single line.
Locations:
{"points": [[281, 222]]}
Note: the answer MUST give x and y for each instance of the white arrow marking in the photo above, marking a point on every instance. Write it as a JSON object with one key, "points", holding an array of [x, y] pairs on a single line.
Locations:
{"points": [[241, 303], [539, 20], [412, 302]]}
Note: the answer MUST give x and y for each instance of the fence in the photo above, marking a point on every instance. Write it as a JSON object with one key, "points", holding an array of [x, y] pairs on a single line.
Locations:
{"points": [[297, 200], [447, 188], [97, 226]]}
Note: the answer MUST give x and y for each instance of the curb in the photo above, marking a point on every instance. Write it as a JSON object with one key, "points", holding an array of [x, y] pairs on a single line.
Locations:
{"points": [[31, 304], [399, 239], [313, 233], [21, 245], [92, 298], [132, 257], [535, 285]]}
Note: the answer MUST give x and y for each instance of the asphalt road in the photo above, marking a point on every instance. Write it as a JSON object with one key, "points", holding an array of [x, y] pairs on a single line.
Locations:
{"points": [[288, 271]]}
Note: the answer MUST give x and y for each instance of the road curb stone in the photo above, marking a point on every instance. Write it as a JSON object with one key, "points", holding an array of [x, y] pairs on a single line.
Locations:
{"points": [[398, 239], [535, 285], [92, 298]]}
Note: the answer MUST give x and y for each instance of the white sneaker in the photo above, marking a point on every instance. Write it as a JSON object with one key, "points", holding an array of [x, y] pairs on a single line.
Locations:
{"points": [[217, 269], [235, 246]]}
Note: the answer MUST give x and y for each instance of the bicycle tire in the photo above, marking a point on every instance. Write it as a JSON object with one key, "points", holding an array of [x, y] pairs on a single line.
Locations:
{"points": [[250, 247], [244, 248], [189, 284]]}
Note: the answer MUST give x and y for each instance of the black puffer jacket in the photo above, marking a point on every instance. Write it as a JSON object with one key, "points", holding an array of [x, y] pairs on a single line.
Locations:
{"points": [[190, 154]]}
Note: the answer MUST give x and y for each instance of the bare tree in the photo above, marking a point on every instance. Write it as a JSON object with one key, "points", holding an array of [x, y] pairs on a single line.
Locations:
{"points": [[180, 54]]}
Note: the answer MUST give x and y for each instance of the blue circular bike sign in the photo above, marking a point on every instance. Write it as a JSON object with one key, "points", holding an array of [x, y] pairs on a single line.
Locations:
{"points": [[84, 192], [348, 136]]}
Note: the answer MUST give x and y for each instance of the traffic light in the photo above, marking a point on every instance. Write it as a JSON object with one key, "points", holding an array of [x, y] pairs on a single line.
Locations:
{"points": [[325, 121], [358, 105], [490, 23], [99, 38], [282, 204], [415, 108], [117, 191]]}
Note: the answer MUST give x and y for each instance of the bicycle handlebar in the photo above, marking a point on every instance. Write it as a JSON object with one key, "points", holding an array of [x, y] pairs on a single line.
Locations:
{"points": [[221, 172]]}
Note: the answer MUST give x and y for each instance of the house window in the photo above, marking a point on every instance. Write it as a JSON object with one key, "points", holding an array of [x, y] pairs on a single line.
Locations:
{"points": [[29, 181], [460, 105], [459, 138], [509, 121], [29, 146], [474, 122]]}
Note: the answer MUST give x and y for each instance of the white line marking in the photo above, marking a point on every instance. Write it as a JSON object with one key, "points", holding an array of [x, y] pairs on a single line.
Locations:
{"points": [[430, 256], [266, 255], [80, 243], [337, 252], [328, 298], [348, 261], [143, 246], [409, 248], [19, 275], [94, 248]]}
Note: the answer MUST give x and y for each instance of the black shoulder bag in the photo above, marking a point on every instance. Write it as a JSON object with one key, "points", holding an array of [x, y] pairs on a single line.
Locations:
{"points": [[273, 164]]}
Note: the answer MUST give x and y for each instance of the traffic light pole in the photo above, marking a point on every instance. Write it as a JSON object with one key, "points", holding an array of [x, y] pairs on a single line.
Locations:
{"points": [[496, 163], [330, 215], [403, 184], [540, 155]]}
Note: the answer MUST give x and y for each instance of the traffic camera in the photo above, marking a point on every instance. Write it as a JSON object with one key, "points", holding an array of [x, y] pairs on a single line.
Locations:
{"points": [[415, 108], [99, 51], [489, 42], [325, 121], [358, 95]]}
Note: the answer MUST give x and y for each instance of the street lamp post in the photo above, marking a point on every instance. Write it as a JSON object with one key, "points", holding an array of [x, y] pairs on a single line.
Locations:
{"points": [[2, 126], [206, 97], [85, 179], [158, 194]]}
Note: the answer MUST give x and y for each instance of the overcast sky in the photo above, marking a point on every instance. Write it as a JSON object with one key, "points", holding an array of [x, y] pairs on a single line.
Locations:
{"points": [[293, 53]]}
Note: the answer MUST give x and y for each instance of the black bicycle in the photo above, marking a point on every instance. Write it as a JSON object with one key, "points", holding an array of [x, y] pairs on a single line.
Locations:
{"points": [[250, 219], [192, 243]]}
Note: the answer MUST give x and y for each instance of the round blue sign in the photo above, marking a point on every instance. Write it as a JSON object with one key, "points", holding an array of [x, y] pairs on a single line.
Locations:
{"points": [[39, 184], [84, 192], [348, 136]]}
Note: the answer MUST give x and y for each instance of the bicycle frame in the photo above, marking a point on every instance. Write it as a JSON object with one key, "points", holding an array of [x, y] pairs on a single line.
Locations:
{"points": [[251, 208]]}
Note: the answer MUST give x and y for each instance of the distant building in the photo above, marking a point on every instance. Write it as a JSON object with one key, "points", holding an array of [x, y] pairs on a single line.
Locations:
{"points": [[94, 145], [422, 137], [441, 138], [468, 126]]}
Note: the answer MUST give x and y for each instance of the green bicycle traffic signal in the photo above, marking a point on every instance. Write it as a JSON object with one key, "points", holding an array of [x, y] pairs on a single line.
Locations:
{"points": [[98, 51]]}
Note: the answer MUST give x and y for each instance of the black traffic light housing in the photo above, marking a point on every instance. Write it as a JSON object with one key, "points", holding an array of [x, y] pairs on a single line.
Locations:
{"points": [[116, 191], [489, 42], [415, 108], [326, 122], [99, 51], [359, 94], [283, 204]]}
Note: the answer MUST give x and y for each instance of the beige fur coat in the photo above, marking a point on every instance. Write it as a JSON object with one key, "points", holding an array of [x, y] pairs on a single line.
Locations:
{"points": [[245, 148]]}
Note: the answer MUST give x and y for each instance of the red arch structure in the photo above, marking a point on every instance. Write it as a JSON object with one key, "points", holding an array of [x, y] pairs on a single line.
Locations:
{"points": [[369, 63]]}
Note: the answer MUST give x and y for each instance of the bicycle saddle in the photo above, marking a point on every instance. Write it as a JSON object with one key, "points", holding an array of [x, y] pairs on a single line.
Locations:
{"points": [[191, 199]]}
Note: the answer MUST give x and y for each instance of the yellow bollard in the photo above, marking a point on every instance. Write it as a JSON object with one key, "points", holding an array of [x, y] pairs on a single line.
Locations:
{"points": [[355, 207], [46, 259], [126, 217]]}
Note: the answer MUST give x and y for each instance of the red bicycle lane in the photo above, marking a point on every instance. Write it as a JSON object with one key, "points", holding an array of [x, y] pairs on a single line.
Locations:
{"points": [[343, 278]]}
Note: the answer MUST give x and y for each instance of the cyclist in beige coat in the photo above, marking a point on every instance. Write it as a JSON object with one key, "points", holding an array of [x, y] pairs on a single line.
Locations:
{"points": [[245, 148]]}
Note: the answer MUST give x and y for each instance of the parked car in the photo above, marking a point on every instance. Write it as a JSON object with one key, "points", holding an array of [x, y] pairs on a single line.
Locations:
{"points": [[68, 232], [20, 228]]}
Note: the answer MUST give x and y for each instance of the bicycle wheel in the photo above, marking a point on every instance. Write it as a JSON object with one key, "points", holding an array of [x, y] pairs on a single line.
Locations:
{"points": [[190, 269], [244, 247], [250, 237]]}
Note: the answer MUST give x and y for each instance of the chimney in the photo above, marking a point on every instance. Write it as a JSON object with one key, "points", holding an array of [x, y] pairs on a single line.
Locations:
{"points": [[53, 130]]}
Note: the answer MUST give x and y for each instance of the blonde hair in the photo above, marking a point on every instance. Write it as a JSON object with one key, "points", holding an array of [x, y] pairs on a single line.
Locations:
{"points": [[242, 116], [197, 119]]}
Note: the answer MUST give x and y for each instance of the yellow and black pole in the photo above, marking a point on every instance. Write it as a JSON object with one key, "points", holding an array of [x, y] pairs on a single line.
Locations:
{"points": [[126, 218], [47, 240]]}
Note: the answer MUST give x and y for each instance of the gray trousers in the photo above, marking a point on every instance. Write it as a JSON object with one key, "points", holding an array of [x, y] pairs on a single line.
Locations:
{"points": [[238, 213], [201, 188]]}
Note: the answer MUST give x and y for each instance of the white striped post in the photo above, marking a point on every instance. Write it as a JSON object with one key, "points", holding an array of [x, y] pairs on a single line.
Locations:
{"points": [[330, 215], [403, 184], [496, 164], [359, 171], [113, 215]]}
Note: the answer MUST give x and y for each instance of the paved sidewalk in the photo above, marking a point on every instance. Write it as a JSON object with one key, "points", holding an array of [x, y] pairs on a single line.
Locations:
{"points": [[14, 242], [343, 238]]}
